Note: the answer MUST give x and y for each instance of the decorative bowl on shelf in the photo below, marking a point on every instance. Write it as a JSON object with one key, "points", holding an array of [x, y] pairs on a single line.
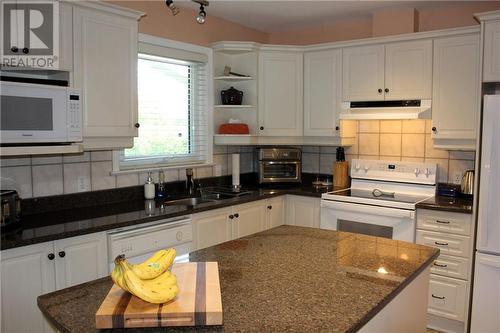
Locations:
{"points": [[231, 96]]}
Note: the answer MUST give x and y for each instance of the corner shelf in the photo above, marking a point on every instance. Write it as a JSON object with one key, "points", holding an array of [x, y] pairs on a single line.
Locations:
{"points": [[223, 106], [233, 78]]}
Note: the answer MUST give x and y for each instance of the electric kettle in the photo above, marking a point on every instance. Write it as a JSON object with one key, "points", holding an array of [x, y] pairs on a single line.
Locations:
{"points": [[467, 186]]}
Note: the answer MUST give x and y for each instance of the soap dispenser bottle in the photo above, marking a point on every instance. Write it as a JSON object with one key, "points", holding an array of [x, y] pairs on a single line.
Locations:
{"points": [[160, 192], [149, 188]]}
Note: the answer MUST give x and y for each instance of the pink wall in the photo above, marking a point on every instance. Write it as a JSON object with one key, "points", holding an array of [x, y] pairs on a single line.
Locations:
{"points": [[183, 27], [394, 21], [336, 31], [389, 22]]}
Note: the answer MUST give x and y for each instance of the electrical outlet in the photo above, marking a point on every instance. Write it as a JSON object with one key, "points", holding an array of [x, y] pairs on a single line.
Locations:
{"points": [[457, 178], [83, 184]]}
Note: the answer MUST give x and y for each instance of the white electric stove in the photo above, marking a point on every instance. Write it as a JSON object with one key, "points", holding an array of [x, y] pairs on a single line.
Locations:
{"points": [[382, 199]]}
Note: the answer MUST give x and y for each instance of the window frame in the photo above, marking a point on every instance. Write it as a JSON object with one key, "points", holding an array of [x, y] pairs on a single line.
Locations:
{"points": [[118, 167]]}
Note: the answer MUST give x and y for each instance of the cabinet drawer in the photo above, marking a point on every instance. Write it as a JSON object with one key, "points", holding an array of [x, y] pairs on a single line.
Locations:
{"points": [[447, 297], [454, 267], [434, 220], [454, 245]]}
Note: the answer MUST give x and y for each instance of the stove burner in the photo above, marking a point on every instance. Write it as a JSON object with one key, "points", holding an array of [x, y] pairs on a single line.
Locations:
{"points": [[379, 193]]}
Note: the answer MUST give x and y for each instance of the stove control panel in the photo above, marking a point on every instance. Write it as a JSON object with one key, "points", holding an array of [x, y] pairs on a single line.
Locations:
{"points": [[397, 171]]}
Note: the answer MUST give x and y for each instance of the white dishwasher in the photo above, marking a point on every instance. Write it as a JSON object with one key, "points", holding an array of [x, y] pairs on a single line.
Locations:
{"points": [[138, 243]]}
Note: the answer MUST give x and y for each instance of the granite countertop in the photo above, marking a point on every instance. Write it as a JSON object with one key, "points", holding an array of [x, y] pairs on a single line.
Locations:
{"points": [[449, 204], [284, 279], [65, 223]]}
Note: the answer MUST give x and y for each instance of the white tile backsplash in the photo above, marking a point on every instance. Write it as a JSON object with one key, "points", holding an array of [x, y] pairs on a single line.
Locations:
{"points": [[105, 155], [101, 175], [76, 177], [19, 179], [42, 160], [47, 180], [74, 158], [130, 179], [13, 161]]}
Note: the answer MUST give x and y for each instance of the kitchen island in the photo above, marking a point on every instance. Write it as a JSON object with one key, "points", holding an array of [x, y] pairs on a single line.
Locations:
{"points": [[292, 279]]}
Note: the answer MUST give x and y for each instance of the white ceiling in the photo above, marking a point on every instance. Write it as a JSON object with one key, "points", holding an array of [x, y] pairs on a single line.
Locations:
{"points": [[273, 16]]}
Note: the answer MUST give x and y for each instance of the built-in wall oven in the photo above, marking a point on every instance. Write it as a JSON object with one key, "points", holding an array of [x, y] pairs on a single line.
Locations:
{"points": [[279, 165]]}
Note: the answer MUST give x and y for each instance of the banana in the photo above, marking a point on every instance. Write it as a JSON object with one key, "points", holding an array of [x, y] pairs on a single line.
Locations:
{"points": [[117, 274], [158, 290], [156, 265]]}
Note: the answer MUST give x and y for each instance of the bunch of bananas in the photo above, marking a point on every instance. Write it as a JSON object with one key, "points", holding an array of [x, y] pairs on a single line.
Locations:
{"points": [[151, 281]]}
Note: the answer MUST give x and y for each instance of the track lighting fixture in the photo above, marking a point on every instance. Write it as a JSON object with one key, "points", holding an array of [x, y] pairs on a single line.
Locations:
{"points": [[202, 14], [170, 4]]}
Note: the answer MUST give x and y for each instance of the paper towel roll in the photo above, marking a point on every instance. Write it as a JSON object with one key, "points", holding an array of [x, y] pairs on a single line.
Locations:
{"points": [[236, 169]]}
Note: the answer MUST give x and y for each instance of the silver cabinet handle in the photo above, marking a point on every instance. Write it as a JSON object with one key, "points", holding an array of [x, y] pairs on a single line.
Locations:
{"points": [[442, 222], [442, 244]]}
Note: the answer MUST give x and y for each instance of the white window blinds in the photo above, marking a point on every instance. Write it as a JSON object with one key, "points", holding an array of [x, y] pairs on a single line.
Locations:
{"points": [[173, 105]]}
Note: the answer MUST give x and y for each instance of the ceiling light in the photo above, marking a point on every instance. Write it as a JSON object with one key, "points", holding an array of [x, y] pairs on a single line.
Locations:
{"points": [[201, 15], [173, 8]]}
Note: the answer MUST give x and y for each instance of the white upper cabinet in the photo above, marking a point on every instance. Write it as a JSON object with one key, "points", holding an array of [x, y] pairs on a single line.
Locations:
{"points": [[280, 93], [491, 60], [388, 72], [322, 92], [408, 70], [105, 68], [455, 97], [363, 73]]}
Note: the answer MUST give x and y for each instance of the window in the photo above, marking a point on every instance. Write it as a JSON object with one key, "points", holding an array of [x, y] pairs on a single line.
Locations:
{"points": [[173, 112]]}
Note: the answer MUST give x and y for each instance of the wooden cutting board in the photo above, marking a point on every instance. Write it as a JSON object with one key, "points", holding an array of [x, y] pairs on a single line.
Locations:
{"points": [[198, 302]]}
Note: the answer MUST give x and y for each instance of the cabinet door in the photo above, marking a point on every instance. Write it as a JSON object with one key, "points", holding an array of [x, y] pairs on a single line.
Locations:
{"points": [[447, 297], [106, 70], [363, 73], [249, 218], [280, 93], [65, 36], [211, 228], [80, 259], [455, 96], [27, 273], [275, 212], [491, 61], [322, 92], [485, 299], [302, 211], [408, 70]]}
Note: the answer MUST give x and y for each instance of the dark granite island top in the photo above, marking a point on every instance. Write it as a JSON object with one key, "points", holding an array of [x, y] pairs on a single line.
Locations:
{"points": [[284, 279]]}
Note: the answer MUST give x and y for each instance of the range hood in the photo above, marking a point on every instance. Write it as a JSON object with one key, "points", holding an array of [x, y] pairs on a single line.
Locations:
{"points": [[402, 109]]}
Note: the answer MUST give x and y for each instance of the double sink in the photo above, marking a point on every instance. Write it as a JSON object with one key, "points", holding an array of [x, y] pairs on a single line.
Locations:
{"points": [[208, 195]]}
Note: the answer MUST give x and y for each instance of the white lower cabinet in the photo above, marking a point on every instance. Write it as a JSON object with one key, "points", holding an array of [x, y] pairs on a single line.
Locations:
{"points": [[225, 224], [27, 272], [451, 271], [447, 297], [275, 212], [302, 211], [249, 218], [30, 271], [212, 228], [80, 259]]}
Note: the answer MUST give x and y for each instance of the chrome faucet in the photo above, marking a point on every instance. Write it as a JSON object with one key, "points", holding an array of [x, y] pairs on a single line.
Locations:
{"points": [[190, 181]]}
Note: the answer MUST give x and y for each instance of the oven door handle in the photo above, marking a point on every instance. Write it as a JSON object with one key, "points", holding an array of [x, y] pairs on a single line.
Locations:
{"points": [[281, 162], [367, 209]]}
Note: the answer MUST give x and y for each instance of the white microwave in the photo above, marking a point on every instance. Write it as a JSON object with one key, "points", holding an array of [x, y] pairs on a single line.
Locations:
{"points": [[39, 114]]}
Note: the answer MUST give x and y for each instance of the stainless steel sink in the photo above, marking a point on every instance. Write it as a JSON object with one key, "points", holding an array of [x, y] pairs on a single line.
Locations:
{"points": [[189, 201]]}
